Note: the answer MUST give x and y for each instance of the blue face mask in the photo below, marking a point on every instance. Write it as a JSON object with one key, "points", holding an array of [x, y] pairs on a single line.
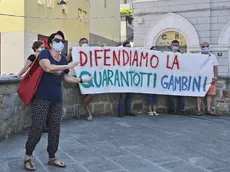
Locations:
{"points": [[205, 49], [58, 46], [175, 48]]}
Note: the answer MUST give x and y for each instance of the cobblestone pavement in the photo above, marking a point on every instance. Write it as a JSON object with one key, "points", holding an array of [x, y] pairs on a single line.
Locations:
{"points": [[131, 144]]}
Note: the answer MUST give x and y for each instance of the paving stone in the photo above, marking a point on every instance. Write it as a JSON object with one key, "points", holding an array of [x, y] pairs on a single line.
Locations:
{"points": [[107, 149], [118, 171], [153, 155], [208, 163], [222, 170], [69, 168], [100, 165], [82, 154], [4, 165], [181, 166], [42, 155], [18, 166], [133, 163], [131, 144]]}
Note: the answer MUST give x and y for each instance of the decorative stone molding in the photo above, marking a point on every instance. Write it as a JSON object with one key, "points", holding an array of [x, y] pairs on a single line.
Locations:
{"points": [[172, 22], [224, 37]]}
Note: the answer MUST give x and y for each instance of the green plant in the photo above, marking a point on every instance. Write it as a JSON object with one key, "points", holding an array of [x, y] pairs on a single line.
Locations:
{"points": [[126, 11]]}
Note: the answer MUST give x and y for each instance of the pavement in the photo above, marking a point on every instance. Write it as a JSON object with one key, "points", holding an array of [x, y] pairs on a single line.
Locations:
{"points": [[131, 144]]}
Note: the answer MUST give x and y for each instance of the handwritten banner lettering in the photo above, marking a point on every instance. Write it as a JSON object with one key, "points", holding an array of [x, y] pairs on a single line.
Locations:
{"points": [[136, 70]]}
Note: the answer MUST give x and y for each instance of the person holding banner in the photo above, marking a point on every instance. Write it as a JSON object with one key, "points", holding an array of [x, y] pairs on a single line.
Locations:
{"points": [[212, 90], [176, 103], [47, 102], [152, 98], [83, 42], [124, 106]]}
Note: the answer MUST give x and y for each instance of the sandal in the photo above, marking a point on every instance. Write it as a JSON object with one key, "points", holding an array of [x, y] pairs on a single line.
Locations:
{"points": [[198, 113], [210, 112], [31, 165], [79, 113], [56, 163]]}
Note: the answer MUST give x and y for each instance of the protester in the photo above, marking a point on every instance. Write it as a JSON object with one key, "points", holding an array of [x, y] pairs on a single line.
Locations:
{"points": [[47, 102], [83, 42], [37, 47], [124, 106], [152, 98], [176, 103], [212, 90]]}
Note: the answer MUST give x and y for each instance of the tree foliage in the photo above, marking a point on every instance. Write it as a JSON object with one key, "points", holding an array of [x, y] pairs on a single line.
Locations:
{"points": [[126, 11]]}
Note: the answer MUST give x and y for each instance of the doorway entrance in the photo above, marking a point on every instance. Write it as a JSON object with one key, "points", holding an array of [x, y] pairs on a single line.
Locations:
{"points": [[164, 41]]}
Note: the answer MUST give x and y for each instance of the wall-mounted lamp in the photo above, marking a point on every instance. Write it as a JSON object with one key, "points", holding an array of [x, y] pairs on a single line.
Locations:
{"points": [[63, 4]]}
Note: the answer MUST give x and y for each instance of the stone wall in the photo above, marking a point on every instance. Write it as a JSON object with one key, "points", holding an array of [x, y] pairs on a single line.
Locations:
{"points": [[15, 116]]}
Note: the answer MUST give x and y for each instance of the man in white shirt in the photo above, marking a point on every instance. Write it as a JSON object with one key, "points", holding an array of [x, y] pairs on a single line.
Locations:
{"points": [[212, 90]]}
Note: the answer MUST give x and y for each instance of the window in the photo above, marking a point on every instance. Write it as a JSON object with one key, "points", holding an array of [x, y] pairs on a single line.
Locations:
{"points": [[49, 3], [41, 2], [82, 15], [79, 13], [105, 3]]}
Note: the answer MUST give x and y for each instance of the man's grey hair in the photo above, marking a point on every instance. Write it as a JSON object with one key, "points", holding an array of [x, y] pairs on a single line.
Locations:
{"points": [[204, 43]]}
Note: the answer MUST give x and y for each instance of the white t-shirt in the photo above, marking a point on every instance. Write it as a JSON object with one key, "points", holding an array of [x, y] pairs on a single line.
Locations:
{"points": [[214, 61]]}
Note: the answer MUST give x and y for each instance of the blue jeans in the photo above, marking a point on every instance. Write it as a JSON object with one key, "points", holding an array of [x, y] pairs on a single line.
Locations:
{"points": [[124, 103], [176, 104], [152, 99]]}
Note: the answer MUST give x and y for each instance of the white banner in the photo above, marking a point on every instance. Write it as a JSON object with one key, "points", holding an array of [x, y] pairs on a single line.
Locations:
{"points": [[136, 70]]}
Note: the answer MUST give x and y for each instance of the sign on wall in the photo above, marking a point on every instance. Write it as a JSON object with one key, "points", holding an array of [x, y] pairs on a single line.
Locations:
{"points": [[135, 70], [166, 39]]}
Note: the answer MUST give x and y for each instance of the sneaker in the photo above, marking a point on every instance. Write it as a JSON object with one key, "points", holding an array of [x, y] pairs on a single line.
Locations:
{"points": [[150, 113], [155, 113], [90, 118]]}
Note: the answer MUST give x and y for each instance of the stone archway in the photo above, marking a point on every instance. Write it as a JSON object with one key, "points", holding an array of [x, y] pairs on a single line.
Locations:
{"points": [[172, 22], [224, 38], [224, 41]]}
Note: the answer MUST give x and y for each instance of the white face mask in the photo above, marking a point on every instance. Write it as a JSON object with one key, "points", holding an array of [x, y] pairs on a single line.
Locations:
{"points": [[40, 49], [58, 46], [84, 45]]}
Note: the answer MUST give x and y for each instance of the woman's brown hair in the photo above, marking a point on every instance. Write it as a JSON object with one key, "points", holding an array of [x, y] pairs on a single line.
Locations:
{"points": [[37, 44]]}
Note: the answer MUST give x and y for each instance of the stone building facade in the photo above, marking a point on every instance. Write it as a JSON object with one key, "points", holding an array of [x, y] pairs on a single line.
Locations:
{"points": [[157, 22]]}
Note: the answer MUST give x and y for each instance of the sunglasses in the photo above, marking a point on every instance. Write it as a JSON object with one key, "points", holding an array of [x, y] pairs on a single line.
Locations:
{"points": [[57, 40], [205, 46]]}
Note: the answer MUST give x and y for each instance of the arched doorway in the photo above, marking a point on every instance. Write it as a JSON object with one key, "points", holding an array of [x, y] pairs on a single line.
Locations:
{"points": [[224, 41], [172, 22], [163, 42]]}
